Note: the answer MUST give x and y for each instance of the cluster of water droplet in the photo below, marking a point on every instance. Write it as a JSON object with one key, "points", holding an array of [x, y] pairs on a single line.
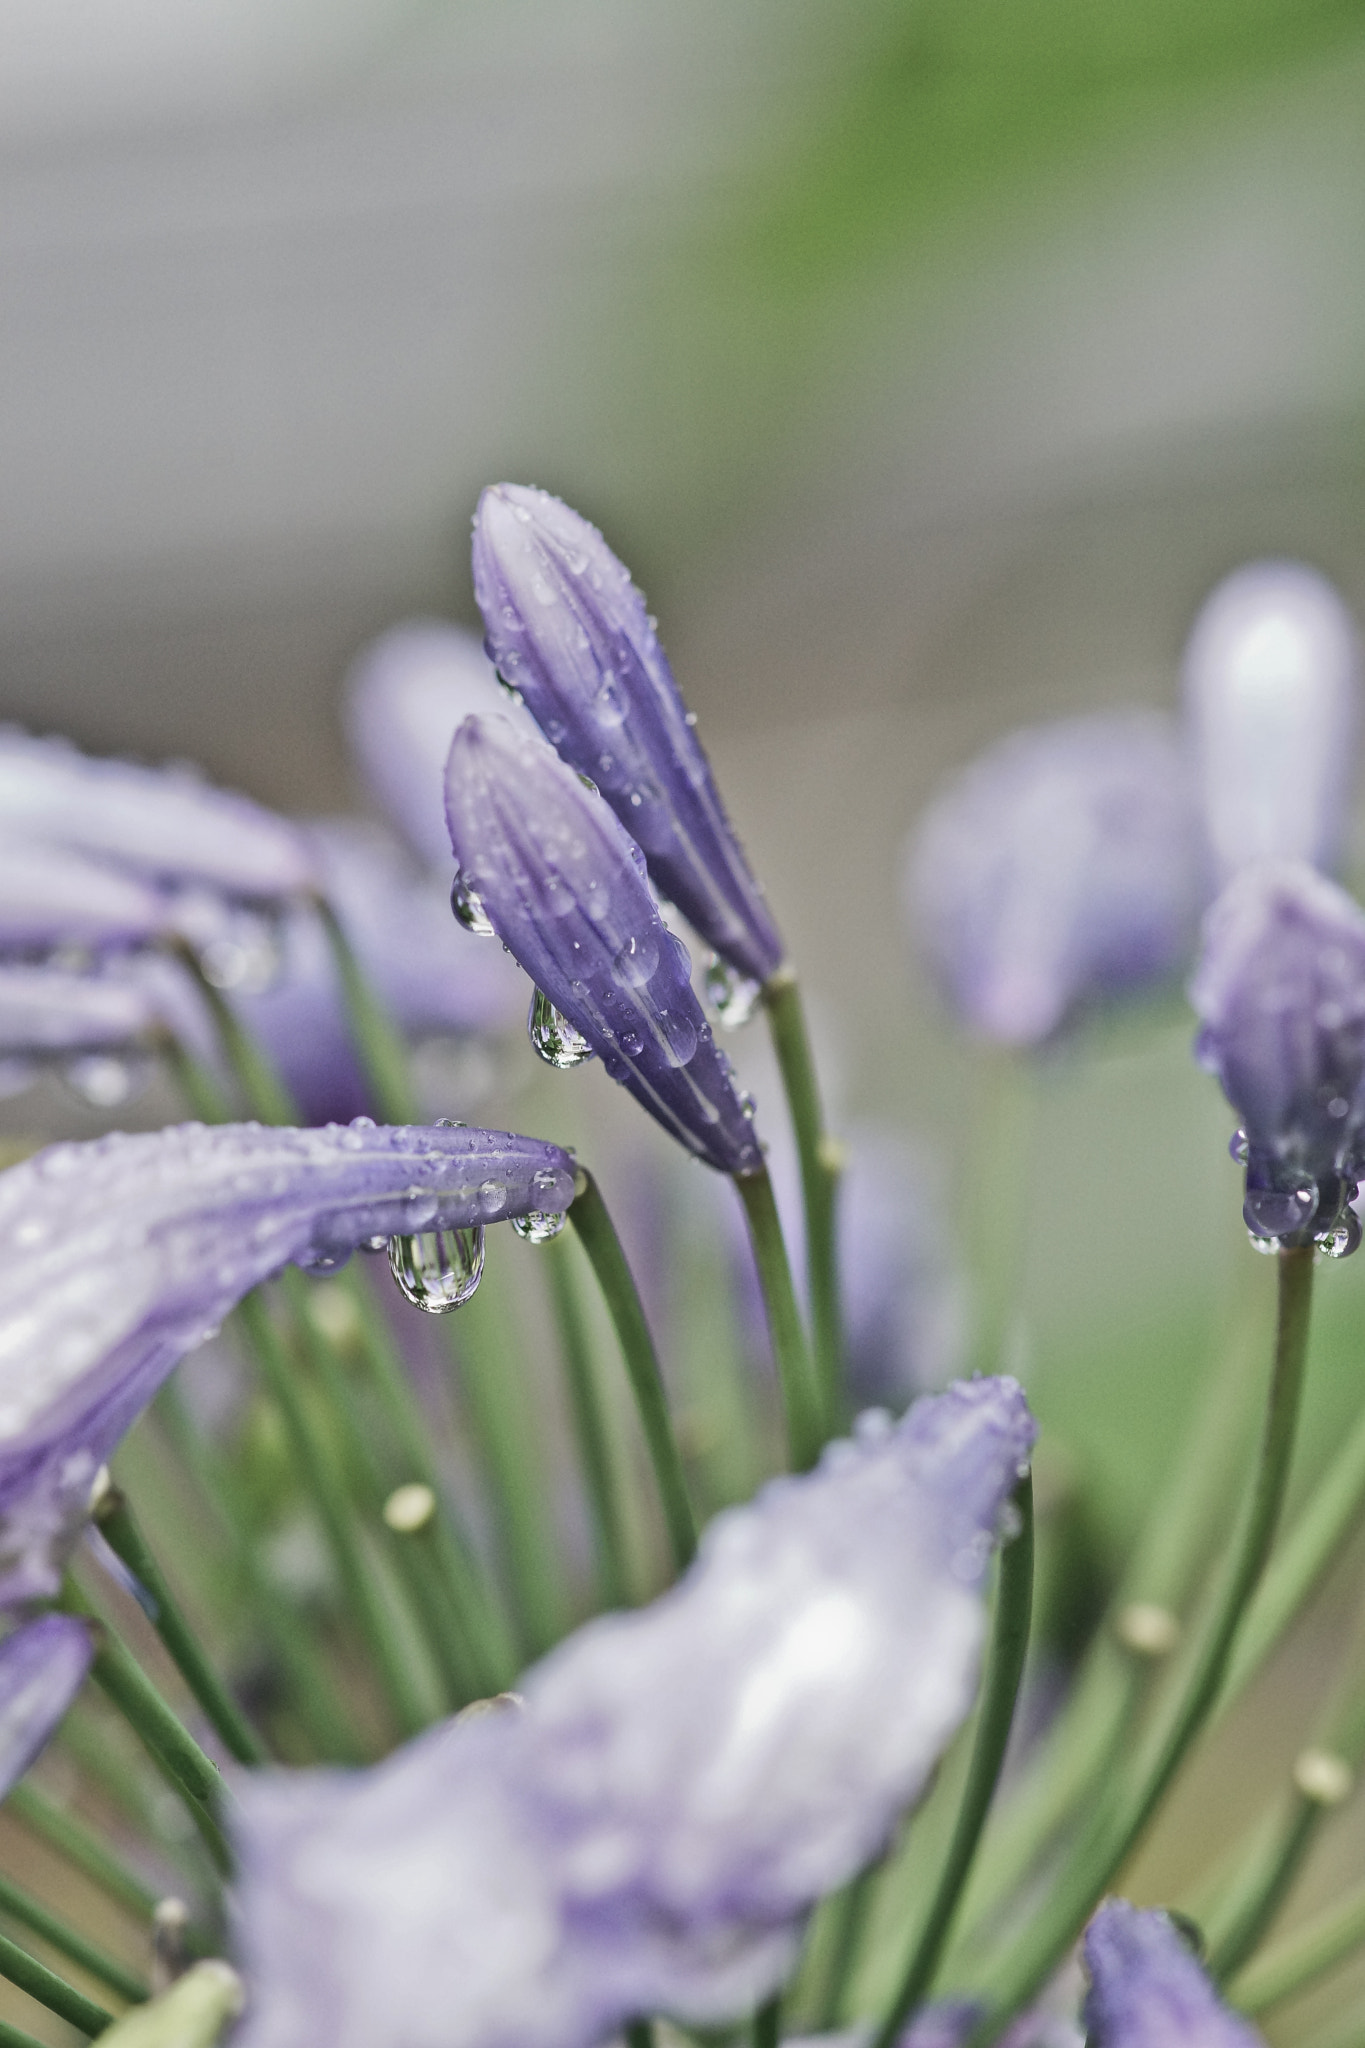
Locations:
{"points": [[1284, 1207]]}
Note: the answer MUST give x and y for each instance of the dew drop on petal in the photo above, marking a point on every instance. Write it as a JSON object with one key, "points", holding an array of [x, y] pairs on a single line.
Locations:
{"points": [[637, 960], [468, 908], [538, 1226], [733, 996], [437, 1270], [559, 1043]]}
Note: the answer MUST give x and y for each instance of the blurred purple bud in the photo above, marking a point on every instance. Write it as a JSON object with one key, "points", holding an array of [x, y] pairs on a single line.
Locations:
{"points": [[1147, 1989], [684, 1783], [904, 1305], [52, 897], [564, 888], [1280, 995], [121, 1255], [1061, 867], [48, 1010], [405, 694], [569, 631], [1272, 677], [42, 1668], [160, 822]]}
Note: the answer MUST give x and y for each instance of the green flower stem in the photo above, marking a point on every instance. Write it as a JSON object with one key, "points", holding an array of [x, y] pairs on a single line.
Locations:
{"points": [[805, 1433], [610, 1540], [640, 2034], [1291, 1965], [597, 1235], [51, 1990], [849, 1912], [39, 1812], [767, 2026], [121, 1532], [15, 2037], [266, 1095], [821, 1162], [1122, 1820], [338, 1521], [199, 1087], [51, 1928], [377, 1040], [999, 1691]]}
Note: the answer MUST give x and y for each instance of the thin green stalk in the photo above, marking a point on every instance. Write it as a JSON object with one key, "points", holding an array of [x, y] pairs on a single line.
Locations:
{"points": [[597, 1235], [1297, 1961], [198, 1086], [767, 2026], [377, 1040], [334, 1511], [821, 1162], [15, 2037], [799, 1397], [51, 1990], [51, 1928], [995, 1716], [594, 1449], [70, 1837], [1121, 1822], [121, 1532], [640, 2034], [266, 1095]]}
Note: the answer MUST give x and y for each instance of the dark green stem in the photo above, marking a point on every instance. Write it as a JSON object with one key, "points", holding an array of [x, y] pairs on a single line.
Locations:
{"points": [[999, 1691], [767, 2026], [640, 2034], [790, 1353], [15, 2037], [594, 1448], [1121, 1823], [121, 1532], [597, 1235], [266, 1095], [377, 1040], [51, 1990], [51, 1928], [199, 1087], [821, 1161], [85, 1851]]}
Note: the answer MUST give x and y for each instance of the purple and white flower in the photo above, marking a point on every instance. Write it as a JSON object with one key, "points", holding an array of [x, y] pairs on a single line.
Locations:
{"points": [[1147, 1989]]}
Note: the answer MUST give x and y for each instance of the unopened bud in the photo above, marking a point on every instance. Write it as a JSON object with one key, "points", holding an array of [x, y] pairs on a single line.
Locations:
{"points": [[1147, 1629], [409, 1508], [170, 1918]]}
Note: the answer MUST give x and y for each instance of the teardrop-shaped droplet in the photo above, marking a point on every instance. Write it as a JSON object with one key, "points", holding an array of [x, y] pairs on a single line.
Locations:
{"points": [[437, 1270], [1238, 1148], [538, 1226], [1343, 1239], [1282, 1210], [732, 996], [468, 908], [559, 1043]]}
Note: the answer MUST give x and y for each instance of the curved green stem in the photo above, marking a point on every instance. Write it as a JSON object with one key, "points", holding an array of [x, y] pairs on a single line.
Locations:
{"points": [[266, 1095], [51, 1990], [1120, 1823], [999, 1692], [594, 1448], [1329, 1938], [597, 1235], [800, 1400], [821, 1163], [377, 1040], [83, 1850], [53, 1929]]}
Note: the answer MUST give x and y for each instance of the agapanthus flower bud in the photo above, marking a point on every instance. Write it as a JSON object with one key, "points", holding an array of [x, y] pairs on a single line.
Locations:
{"points": [[1272, 675], [684, 1783], [405, 694], [1147, 1989], [565, 890], [151, 821], [42, 1668], [569, 631], [121, 1255], [1062, 867], [1280, 994], [51, 897]]}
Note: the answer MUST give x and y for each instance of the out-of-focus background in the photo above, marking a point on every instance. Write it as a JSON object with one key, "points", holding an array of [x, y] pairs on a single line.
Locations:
{"points": [[927, 362]]}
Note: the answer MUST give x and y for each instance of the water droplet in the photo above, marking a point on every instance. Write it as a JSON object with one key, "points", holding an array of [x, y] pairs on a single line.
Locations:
{"points": [[374, 1244], [1266, 1245], [1283, 1208], [680, 1036], [492, 1198], [609, 705], [637, 960], [1238, 1148], [468, 908], [104, 1081], [1342, 1239], [632, 1044], [512, 660], [538, 1226], [733, 996], [559, 1043], [437, 1270], [542, 591], [748, 1106], [320, 1263]]}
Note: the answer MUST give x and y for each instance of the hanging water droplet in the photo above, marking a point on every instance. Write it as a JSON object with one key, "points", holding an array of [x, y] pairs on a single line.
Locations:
{"points": [[1342, 1239], [1238, 1148], [748, 1106], [437, 1270], [559, 1043], [1268, 1246], [321, 1263], [103, 1080], [538, 1226], [374, 1244], [468, 908], [1281, 1203], [632, 1044], [680, 1036], [513, 692], [732, 995]]}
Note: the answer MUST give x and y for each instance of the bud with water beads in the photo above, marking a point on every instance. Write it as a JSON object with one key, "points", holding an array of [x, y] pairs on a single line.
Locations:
{"points": [[1147, 1988], [564, 889], [1280, 994], [568, 631], [1272, 675]]}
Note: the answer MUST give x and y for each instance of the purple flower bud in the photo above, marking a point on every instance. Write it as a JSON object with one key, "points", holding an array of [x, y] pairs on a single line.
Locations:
{"points": [[120, 1256], [1271, 688], [569, 631], [684, 1783], [405, 695], [564, 888], [1063, 866], [1148, 1991], [42, 1668], [48, 1010], [51, 897], [152, 821], [1280, 994]]}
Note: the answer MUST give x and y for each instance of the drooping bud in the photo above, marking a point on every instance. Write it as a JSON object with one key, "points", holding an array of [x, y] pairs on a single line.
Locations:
{"points": [[1147, 1989], [569, 631]]}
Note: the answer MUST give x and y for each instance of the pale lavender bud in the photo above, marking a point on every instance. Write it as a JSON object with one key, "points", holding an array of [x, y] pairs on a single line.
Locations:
{"points": [[904, 1308], [569, 631], [51, 897], [160, 822], [1272, 680], [565, 891], [684, 1783], [1280, 995], [47, 1010], [405, 694], [42, 1668], [1147, 1990], [121, 1255], [1061, 868]]}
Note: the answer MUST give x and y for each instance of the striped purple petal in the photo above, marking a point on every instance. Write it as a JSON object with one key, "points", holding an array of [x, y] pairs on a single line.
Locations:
{"points": [[1148, 1991]]}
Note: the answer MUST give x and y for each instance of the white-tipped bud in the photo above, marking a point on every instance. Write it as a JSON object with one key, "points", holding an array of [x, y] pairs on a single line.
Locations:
{"points": [[1271, 686]]}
